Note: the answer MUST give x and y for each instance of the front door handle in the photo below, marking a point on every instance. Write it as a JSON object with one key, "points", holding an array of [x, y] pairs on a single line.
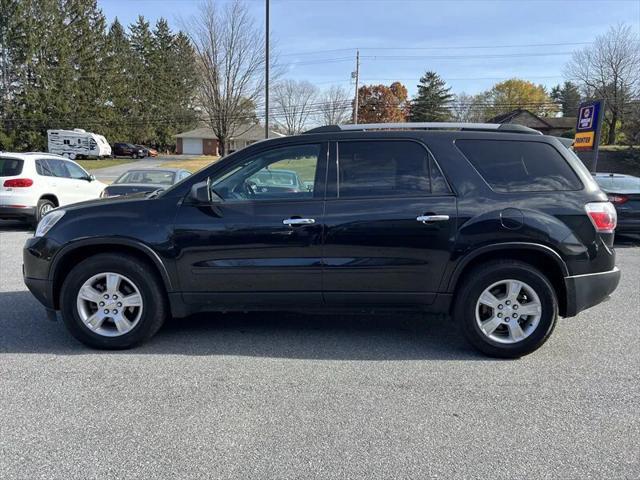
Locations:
{"points": [[432, 218], [299, 221]]}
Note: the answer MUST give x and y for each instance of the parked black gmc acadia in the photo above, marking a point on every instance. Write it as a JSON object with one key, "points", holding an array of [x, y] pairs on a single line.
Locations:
{"points": [[497, 224]]}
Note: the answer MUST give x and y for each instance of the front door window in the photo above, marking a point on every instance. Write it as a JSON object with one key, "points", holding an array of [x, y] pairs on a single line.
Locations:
{"points": [[287, 173]]}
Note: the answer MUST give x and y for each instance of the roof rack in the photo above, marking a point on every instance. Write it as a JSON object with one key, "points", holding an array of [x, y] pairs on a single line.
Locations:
{"points": [[361, 127]]}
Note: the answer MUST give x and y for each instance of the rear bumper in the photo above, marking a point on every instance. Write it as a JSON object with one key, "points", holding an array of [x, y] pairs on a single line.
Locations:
{"points": [[17, 212], [585, 291]]}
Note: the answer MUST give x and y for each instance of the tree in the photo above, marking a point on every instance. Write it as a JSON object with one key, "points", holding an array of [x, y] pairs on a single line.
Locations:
{"points": [[568, 96], [382, 104], [294, 104], [335, 106], [432, 102], [631, 126], [609, 69], [230, 60], [468, 108], [515, 93]]}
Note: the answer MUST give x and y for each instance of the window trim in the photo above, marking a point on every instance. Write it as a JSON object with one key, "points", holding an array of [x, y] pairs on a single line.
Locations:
{"points": [[335, 167], [518, 192]]}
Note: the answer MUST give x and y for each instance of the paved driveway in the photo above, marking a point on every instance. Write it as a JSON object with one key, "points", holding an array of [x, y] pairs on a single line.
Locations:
{"points": [[289, 396]]}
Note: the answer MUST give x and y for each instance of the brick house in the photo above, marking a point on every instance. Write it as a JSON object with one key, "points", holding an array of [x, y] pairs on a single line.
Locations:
{"points": [[202, 141]]}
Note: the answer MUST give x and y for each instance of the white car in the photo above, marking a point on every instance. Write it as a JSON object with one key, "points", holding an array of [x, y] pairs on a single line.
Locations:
{"points": [[32, 184]]}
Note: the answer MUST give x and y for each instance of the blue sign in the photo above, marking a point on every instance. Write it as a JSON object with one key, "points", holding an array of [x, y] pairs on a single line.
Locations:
{"points": [[588, 117]]}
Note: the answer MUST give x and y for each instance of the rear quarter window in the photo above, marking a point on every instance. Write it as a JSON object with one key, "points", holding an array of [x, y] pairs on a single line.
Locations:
{"points": [[520, 166], [10, 167]]}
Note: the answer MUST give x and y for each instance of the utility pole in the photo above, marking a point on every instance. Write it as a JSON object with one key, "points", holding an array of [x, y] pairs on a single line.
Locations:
{"points": [[266, 72], [356, 75]]}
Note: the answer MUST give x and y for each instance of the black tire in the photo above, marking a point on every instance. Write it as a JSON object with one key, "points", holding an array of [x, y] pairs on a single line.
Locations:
{"points": [[154, 311], [483, 277], [42, 208]]}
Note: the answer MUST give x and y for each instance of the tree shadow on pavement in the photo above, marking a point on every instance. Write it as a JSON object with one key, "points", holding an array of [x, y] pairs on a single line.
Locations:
{"points": [[400, 336]]}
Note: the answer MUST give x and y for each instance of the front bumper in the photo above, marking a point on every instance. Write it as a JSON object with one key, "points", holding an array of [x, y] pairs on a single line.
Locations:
{"points": [[585, 291], [17, 212], [36, 263]]}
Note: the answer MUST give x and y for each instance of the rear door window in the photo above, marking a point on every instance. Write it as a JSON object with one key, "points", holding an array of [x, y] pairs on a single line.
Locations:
{"points": [[510, 166], [10, 167], [381, 168]]}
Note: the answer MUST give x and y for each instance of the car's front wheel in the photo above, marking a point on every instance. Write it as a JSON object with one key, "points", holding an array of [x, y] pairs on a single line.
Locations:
{"points": [[506, 308], [113, 302]]}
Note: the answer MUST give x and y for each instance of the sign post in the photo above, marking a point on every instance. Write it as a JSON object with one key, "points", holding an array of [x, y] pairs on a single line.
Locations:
{"points": [[588, 129]]}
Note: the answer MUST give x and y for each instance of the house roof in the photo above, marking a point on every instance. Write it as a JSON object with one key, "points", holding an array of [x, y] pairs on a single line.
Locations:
{"points": [[546, 122], [246, 132]]}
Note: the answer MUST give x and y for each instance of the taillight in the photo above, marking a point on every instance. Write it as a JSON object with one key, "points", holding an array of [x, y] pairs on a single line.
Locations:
{"points": [[617, 199], [18, 182], [603, 215]]}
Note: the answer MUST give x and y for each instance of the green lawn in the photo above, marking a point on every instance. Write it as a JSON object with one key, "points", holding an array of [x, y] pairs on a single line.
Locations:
{"points": [[191, 164], [103, 163]]}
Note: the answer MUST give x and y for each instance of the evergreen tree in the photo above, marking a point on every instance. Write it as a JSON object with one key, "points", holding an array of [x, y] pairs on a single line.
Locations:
{"points": [[119, 79], [432, 102], [142, 91], [568, 95]]}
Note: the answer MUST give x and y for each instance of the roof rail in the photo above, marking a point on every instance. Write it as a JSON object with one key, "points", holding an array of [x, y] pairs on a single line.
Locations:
{"points": [[361, 127]]}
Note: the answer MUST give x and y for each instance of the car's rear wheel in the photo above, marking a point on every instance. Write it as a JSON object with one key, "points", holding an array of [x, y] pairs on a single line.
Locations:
{"points": [[44, 206], [506, 308], [112, 302]]}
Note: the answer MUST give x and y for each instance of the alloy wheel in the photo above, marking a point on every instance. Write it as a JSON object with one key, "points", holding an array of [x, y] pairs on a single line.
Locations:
{"points": [[109, 304], [508, 311]]}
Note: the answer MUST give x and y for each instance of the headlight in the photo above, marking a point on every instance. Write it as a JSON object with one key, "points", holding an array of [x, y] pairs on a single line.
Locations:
{"points": [[47, 222]]}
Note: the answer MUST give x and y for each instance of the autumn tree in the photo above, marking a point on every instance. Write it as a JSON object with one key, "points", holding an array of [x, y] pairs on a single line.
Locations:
{"points": [[568, 96], [382, 104], [515, 93], [294, 103], [609, 69], [335, 106], [433, 100]]}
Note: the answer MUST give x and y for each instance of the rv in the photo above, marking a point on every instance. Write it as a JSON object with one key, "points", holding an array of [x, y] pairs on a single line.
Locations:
{"points": [[77, 143]]}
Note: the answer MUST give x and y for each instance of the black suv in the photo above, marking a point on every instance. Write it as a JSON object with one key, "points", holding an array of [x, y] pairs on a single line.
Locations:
{"points": [[128, 150], [500, 226]]}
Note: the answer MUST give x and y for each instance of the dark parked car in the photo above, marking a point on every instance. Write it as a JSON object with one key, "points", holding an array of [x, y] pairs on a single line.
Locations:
{"points": [[127, 150], [624, 192], [496, 224], [148, 151], [144, 181]]}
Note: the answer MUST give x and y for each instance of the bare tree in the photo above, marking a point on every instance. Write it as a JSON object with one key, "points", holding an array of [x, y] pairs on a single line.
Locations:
{"points": [[335, 107], [294, 104], [609, 69], [231, 60], [468, 108]]}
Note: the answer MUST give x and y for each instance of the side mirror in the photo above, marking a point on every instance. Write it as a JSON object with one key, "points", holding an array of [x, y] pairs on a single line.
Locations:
{"points": [[200, 193], [91, 178]]}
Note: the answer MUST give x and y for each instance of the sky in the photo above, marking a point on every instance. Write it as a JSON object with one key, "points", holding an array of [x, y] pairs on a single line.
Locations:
{"points": [[472, 44]]}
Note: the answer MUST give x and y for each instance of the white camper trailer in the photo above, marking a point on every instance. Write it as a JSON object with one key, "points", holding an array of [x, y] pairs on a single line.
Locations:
{"points": [[77, 143]]}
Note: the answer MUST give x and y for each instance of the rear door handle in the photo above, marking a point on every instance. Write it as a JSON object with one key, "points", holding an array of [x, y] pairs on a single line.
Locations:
{"points": [[432, 218], [299, 221]]}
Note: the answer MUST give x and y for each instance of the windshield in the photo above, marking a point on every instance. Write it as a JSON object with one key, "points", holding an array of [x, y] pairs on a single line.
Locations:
{"points": [[155, 177]]}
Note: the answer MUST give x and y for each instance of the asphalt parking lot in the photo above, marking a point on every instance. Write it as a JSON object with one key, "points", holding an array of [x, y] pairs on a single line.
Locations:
{"points": [[291, 396]]}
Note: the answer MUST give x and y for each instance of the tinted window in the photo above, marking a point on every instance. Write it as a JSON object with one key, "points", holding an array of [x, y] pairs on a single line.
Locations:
{"points": [[75, 171], [509, 166], [282, 173], [10, 167], [58, 168], [387, 168]]}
